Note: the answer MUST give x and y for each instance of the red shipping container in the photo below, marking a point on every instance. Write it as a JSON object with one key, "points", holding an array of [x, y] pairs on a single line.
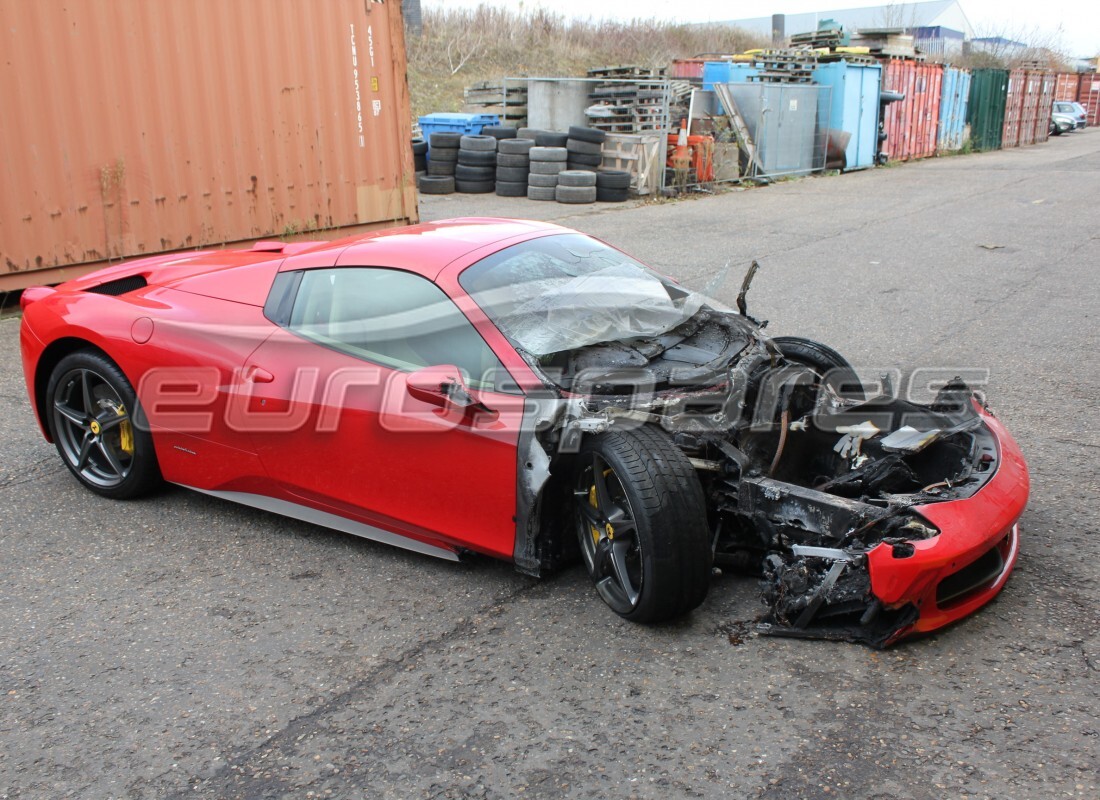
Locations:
{"points": [[1027, 110], [1088, 95], [1067, 85], [688, 69], [132, 128], [912, 124], [1014, 109]]}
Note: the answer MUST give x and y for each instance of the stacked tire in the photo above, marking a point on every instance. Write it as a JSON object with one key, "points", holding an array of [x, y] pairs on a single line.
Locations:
{"points": [[612, 185], [585, 146], [545, 164], [513, 166], [576, 186], [442, 161], [420, 156], [475, 172]]}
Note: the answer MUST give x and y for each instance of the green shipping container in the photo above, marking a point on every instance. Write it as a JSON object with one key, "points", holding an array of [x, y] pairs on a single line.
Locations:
{"points": [[986, 111]]}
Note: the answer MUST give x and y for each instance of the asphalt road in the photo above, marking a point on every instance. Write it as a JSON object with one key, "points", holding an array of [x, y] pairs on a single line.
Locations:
{"points": [[182, 646]]}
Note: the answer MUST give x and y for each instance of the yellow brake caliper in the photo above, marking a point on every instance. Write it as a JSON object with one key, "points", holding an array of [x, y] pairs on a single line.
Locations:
{"points": [[125, 433], [592, 502]]}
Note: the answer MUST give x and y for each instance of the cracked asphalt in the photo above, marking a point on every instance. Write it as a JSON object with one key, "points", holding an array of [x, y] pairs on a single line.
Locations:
{"points": [[182, 646]]}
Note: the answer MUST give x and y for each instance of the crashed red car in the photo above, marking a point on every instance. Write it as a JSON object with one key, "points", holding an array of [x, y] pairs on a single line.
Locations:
{"points": [[524, 391]]}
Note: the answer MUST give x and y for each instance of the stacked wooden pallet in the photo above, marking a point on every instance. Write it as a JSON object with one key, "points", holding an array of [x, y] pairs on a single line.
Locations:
{"points": [[628, 99], [816, 40], [509, 102], [886, 42], [785, 66]]}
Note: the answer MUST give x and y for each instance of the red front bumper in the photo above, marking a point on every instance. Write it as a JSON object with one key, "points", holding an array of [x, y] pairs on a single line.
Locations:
{"points": [[952, 575]]}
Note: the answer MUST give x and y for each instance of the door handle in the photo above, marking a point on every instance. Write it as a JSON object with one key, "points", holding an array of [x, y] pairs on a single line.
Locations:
{"points": [[258, 375]]}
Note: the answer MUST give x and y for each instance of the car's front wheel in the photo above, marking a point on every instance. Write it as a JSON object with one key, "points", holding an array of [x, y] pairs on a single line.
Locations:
{"points": [[642, 524], [91, 414]]}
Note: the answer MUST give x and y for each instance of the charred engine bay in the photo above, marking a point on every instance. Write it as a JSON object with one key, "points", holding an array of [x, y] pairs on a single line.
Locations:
{"points": [[698, 350], [802, 480], [806, 496]]}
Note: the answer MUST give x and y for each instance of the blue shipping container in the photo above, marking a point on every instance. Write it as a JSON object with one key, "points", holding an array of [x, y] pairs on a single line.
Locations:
{"points": [[954, 104], [726, 72], [854, 110], [465, 124]]}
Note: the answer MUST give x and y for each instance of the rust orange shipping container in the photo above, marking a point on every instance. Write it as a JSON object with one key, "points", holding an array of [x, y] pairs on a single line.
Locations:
{"points": [[1066, 86], [133, 127], [911, 125], [1028, 107], [1088, 95]]}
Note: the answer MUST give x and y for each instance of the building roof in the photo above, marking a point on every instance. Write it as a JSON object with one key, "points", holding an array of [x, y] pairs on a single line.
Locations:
{"points": [[928, 14]]}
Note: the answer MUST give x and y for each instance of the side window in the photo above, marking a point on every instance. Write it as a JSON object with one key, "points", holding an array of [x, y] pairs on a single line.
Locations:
{"points": [[393, 318]]}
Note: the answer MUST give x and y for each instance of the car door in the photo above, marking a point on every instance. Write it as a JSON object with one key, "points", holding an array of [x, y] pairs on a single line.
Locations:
{"points": [[336, 423]]}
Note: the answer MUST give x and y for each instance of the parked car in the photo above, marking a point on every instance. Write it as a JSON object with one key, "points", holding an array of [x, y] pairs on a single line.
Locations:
{"points": [[524, 391], [1067, 116]]}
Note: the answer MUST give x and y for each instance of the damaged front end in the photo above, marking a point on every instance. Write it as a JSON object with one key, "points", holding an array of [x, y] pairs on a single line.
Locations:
{"points": [[869, 519]]}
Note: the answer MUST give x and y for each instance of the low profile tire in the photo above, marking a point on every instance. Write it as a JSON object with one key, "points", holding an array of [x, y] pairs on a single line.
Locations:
{"points": [[435, 184], [541, 192], [91, 411], [419, 147], [474, 187], [544, 181], [478, 142], [641, 522], [826, 361], [593, 135], [575, 194], [576, 177]]}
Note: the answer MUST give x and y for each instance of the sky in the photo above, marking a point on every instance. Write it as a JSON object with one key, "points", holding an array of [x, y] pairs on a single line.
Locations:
{"points": [[1076, 22]]}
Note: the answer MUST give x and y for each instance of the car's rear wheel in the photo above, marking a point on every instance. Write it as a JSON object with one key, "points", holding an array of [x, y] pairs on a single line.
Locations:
{"points": [[91, 414], [641, 522]]}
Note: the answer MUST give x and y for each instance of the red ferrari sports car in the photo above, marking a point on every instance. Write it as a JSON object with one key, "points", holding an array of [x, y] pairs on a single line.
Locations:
{"points": [[524, 391]]}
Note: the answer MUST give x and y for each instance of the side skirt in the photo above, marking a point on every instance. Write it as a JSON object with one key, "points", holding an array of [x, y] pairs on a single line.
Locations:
{"points": [[285, 508]]}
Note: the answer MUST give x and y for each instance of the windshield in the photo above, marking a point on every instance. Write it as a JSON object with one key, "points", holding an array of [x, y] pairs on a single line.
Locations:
{"points": [[564, 292]]}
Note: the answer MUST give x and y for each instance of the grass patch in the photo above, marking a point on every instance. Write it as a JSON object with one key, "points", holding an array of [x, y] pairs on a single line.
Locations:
{"points": [[459, 47]]}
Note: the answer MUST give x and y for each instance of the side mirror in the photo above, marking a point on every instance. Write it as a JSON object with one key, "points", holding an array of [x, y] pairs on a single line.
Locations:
{"points": [[441, 385]]}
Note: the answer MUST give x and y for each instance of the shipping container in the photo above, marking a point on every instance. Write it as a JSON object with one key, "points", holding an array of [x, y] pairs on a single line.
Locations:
{"points": [[1066, 86], [687, 69], [853, 110], [954, 100], [1047, 87], [727, 72], [1088, 95], [911, 124], [1027, 107], [133, 127], [985, 113]]}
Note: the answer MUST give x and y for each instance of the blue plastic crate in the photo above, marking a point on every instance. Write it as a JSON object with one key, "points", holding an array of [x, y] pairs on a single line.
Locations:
{"points": [[467, 124]]}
